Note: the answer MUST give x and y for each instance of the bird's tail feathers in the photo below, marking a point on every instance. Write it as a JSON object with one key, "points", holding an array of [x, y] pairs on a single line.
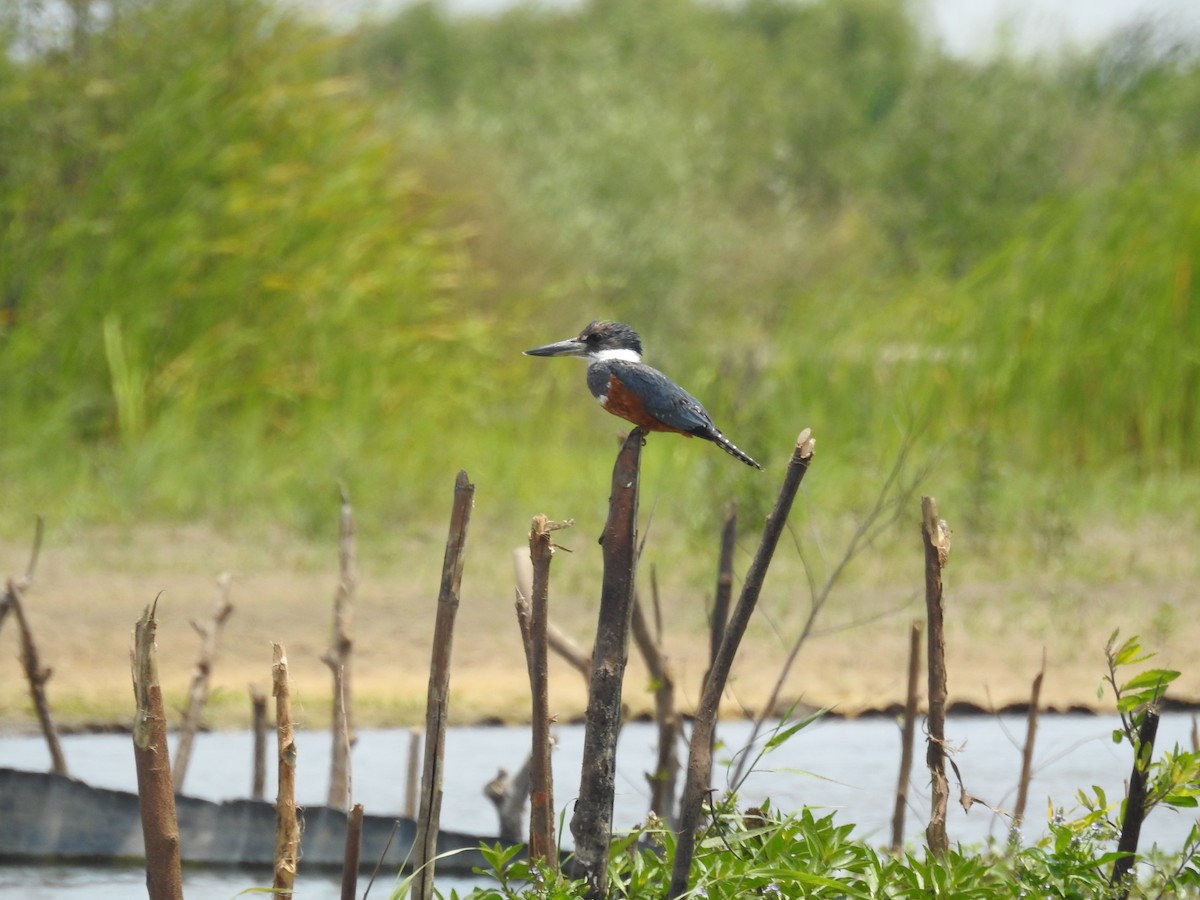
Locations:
{"points": [[734, 450]]}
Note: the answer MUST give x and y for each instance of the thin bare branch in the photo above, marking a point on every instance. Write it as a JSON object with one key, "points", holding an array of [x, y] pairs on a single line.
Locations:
{"points": [[699, 768], [889, 503]]}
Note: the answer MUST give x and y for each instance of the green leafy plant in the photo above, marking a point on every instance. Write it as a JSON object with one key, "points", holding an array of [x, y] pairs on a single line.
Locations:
{"points": [[759, 852]]}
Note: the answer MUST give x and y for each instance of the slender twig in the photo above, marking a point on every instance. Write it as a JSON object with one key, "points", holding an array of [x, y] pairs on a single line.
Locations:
{"points": [[1191, 849], [23, 583], [1035, 698], [560, 642], [889, 504], [908, 735], [666, 717], [724, 591], [37, 676], [508, 794], [39, 530], [699, 769], [201, 677]]}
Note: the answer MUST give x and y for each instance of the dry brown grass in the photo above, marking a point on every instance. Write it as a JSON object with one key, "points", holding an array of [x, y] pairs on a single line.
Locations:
{"points": [[1005, 605]]}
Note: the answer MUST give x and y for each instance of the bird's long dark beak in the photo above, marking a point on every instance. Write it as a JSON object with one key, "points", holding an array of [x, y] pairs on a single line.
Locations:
{"points": [[573, 347]]}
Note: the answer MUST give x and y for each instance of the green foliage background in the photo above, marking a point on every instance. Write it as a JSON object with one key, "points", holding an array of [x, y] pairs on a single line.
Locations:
{"points": [[245, 257]]}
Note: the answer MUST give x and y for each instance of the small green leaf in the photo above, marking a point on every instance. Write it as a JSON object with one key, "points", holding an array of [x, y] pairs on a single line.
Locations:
{"points": [[1156, 679], [1127, 652], [1181, 801], [1130, 702], [1144, 753]]}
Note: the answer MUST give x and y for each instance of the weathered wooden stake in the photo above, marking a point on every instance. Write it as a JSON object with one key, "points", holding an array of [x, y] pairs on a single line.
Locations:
{"points": [[287, 825], [699, 767], [151, 756], [354, 824], [542, 843], [438, 702], [908, 735], [258, 703], [936, 536], [1035, 698], [591, 824], [201, 676], [337, 657]]}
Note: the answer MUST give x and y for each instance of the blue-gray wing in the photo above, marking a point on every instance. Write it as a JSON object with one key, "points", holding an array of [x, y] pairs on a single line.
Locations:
{"points": [[663, 398]]}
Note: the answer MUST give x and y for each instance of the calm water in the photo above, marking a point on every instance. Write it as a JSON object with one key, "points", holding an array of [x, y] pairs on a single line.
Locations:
{"points": [[848, 767]]}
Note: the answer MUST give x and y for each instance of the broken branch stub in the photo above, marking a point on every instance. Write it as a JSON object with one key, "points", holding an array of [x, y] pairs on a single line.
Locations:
{"points": [[156, 795]]}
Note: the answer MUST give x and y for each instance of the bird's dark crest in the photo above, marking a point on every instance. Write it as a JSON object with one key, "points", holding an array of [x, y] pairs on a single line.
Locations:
{"points": [[600, 335]]}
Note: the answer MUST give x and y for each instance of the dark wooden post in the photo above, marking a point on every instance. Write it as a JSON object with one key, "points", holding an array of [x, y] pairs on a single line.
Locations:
{"points": [[591, 825], [1135, 803]]}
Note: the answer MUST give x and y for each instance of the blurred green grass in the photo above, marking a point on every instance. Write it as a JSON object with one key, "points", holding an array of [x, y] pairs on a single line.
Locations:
{"points": [[245, 258]]}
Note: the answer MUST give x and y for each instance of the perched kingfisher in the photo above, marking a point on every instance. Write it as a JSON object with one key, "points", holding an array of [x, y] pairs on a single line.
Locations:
{"points": [[627, 387]]}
